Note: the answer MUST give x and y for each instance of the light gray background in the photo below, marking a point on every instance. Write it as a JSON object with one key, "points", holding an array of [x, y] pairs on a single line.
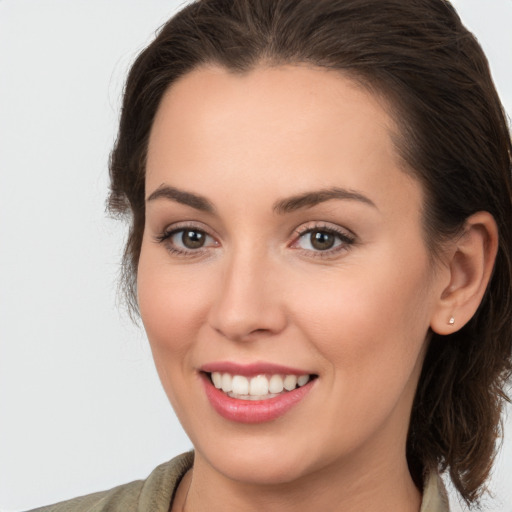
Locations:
{"points": [[81, 408]]}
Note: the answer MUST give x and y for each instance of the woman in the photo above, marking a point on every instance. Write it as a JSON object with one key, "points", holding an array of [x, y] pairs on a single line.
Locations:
{"points": [[320, 249]]}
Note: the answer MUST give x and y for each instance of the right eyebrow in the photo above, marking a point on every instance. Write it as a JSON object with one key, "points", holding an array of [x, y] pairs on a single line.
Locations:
{"points": [[181, 196]]}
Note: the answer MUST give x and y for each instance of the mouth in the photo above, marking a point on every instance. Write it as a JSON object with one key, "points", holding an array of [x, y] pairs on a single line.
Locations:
{"points": [[257, 387], [255, 393]]}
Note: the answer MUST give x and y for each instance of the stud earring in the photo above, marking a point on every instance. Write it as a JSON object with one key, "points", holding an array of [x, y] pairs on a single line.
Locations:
{"points": [[451, 321]]}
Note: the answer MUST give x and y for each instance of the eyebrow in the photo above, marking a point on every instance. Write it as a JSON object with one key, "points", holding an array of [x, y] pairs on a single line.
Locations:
{"points": [[181, 196], [282, 206], [310, 199]]}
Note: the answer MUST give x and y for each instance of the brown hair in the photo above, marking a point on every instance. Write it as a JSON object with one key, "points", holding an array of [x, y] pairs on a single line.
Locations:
{"points": [[454, 138]]}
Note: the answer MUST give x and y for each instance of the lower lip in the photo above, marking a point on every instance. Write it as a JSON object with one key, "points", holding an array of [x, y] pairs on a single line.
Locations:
{"points": [[253, 411]]}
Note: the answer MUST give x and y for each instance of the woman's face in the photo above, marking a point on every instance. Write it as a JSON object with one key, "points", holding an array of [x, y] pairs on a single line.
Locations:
{"points": [[283, 238]]}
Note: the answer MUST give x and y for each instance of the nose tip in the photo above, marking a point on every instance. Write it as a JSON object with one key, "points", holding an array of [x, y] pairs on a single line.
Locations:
{"points": [[239, 331], [236, 327], [247, 306]]}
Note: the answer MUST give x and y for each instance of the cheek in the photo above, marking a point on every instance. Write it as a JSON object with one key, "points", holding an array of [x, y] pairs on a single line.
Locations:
{"points": [[172, 304], [369, 321], [172, 308]]}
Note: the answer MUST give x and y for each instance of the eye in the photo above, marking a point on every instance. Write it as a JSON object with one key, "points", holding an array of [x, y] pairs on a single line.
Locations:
{"points": [[323, 239], [187, 240], [319, 240]]}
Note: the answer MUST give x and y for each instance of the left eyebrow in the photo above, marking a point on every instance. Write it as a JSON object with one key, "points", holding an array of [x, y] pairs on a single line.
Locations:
{"points": [[309, 199]]}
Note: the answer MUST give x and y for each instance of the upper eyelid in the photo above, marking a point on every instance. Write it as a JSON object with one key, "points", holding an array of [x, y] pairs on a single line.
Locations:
{"points": [[175, 227], [322, 226], [187, 224], [172, 231]]}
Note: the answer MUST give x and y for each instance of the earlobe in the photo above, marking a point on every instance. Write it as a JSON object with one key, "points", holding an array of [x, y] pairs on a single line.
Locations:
{"points": [[470, 264]]}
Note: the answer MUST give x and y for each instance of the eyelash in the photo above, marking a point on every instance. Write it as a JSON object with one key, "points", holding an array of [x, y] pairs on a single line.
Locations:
{"points": [[165, 238], [345, 238]]}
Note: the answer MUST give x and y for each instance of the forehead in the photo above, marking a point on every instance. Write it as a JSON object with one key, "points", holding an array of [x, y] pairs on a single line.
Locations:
{"points": [[298, 98], [268, 126]]}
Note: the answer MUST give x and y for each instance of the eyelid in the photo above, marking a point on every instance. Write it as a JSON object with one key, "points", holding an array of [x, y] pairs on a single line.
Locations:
{"points": [[346, 236], [165, 236]]}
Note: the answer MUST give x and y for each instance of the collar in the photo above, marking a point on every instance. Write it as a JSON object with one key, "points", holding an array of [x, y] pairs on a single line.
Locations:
{"points": [[435, 497]]}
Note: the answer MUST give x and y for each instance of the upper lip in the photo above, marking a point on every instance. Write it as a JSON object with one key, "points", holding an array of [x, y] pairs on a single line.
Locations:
{"points": [[251, 369]]}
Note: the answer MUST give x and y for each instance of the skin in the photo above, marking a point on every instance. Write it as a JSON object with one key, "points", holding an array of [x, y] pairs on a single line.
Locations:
{"points": [[357, 315]]}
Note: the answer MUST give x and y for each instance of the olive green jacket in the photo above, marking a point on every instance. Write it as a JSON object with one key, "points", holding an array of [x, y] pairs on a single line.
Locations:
{"points": [[156, 493]]}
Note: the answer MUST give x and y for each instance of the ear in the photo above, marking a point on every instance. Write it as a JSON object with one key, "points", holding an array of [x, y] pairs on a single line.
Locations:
{"points": [[470, 261]]}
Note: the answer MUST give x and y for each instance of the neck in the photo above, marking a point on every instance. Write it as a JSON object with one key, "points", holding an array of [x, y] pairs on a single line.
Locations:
{"points": [[350, 487]]}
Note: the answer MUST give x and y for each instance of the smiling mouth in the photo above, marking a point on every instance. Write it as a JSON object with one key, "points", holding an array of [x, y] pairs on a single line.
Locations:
{"points": [[258, 387]]}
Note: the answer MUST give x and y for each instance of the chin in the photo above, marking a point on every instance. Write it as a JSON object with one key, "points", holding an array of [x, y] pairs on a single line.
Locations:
{"points": [[262, 458], [264, 469]]}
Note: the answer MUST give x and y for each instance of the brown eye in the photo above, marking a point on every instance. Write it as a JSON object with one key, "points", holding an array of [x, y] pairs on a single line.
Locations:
{"points": [[192, 238], [322, 240], [327, 240], [187, 241]]}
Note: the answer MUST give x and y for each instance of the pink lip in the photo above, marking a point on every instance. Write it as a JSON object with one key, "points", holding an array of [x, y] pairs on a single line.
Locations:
{"points": [[253, 411], [252, 369]]}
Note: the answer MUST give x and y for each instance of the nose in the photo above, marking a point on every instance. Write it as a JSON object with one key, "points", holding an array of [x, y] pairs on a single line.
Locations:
{"points": [[248, 303]]}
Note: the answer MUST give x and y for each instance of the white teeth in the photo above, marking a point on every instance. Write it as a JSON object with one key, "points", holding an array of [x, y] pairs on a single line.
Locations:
{"points": [[240, 385], [217, 379], [290, 382], [275, 384], [303, 379], [227, 385], [258, 387]]}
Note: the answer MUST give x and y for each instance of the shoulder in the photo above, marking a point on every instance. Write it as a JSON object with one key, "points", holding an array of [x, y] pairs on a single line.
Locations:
{"points": [[155, 493]]}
